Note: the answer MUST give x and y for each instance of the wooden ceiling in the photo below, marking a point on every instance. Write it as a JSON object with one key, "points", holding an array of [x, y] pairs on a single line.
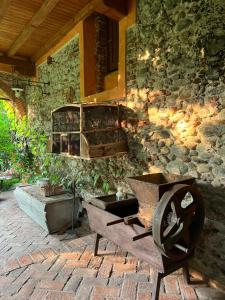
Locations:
{"points": [[28, 28]]}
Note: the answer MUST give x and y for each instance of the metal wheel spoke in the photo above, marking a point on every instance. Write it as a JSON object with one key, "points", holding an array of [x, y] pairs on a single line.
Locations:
{"points": [[174, 238], [169, 230], [176, 208]]}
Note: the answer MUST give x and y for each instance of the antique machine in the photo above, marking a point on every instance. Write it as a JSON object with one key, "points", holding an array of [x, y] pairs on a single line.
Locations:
{"points": [[161, 224]]}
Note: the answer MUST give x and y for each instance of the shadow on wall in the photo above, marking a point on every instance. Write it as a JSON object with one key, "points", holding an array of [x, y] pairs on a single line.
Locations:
{"points": [[211, 247]]}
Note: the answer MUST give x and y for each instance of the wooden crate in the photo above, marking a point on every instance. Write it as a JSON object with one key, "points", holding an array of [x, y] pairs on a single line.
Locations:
{"points": [[51, 190]]}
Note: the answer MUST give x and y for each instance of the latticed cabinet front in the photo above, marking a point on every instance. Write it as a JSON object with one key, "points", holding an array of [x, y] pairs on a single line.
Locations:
{"points": [[87, 131]]}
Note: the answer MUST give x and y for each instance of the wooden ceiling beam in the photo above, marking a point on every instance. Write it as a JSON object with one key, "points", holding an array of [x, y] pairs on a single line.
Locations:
{"points": [[22, 66], [6, 68], [115, 9], [13, 61], [81, 15], [4, 5], [36, 21]]}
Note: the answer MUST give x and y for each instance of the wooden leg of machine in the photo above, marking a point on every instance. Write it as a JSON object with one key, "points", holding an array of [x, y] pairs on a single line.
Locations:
{"points": [[156, 285], [97, 238], [186, 274]]}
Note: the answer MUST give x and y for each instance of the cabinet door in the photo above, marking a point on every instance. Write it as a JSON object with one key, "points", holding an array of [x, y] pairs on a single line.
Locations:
{"points": [[56, 143], [64, 143], [100, 117], [74, 144]]}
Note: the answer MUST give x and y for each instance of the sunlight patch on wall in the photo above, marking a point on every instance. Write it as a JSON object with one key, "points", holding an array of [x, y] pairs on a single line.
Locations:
{"points": [[156, 58], [181, 123], [144, 56]]}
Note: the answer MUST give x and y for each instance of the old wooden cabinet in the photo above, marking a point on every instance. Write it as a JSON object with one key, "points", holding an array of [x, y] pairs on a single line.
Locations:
{"points": [[87, 131]]}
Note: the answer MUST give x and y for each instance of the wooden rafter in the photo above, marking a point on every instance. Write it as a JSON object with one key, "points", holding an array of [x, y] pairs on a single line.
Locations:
{"points": [[22, 66], [4, 5], [6, 68], [111, 8], [81, 15], [36, 21], [114, 9]]}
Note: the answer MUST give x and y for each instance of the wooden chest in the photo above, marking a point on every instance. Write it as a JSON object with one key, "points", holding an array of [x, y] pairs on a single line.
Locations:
{"points": [[51, 213]]}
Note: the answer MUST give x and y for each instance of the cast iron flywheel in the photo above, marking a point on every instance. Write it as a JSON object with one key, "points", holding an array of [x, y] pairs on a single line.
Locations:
{"points": [[178, 221]]}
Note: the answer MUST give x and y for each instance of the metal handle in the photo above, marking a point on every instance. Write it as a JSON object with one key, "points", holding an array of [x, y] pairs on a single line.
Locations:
{"points": [[142, 235]]}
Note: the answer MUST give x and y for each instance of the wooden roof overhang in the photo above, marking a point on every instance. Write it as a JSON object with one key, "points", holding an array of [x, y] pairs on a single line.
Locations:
{"points": [[29, 29]]}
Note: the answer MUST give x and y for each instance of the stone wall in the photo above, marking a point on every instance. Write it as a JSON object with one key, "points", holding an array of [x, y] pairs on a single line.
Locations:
{"points": [[63, 74], [176, 87], [174, 110]]}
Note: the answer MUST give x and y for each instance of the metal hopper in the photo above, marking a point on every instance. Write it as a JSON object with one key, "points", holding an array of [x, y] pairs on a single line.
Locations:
{"points": [[149, 189]]}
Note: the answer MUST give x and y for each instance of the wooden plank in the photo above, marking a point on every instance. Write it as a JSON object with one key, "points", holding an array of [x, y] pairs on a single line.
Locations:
{"points": [[81, 15], [114, 9], [111, 80], [107, 149], [89, 46], [101, 130], [4, 5], [36, 21], [6, 68], [13, 61], [22, 66], [81, 49]]}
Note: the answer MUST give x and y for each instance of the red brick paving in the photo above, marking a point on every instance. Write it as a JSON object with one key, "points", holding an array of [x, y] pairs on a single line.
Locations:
{"points": [[36, 266]]}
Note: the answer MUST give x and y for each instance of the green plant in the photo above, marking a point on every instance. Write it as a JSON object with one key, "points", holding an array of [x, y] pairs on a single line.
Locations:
{"points": [[105, 186], [22, 147], [6, 145]]}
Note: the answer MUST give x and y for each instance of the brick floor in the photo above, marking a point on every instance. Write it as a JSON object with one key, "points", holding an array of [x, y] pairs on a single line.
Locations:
{"points": [[36, 266]]}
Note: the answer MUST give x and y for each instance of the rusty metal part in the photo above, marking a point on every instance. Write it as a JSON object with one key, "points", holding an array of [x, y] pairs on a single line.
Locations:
{"points": [[149, 189], [142, 235], [178, 221]]}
